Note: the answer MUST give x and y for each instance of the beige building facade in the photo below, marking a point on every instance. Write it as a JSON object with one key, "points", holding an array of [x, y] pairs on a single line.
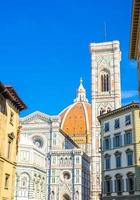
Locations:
{"points": [[10, 106]]}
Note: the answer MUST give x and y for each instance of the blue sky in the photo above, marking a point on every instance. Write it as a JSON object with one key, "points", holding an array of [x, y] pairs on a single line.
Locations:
{"points": [[44, 48]]}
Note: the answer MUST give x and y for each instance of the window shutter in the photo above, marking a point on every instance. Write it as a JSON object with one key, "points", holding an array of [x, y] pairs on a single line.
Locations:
{"points": [[109, 143], [120, 140], [103, 145], [135, 184], [131, 138], [115, 185], [122, 189], [111, 186], [114, 142], [124, 138], [104, 186], [127, 185]]}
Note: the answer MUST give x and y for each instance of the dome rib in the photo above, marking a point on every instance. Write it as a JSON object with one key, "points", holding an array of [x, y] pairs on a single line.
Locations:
{"points": [[65, 115]]}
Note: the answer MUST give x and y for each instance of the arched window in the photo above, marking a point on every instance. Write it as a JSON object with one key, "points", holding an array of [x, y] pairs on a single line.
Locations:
{"points": [[119, 184], [76, 195], [24, 181], [105, 79], [108, 109], [130, 182], [66, 197], [102, 111], [52, 195], [108, 185]]}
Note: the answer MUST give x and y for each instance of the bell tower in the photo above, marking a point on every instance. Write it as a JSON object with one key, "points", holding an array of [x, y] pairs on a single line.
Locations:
{"points": [[105, 96]]}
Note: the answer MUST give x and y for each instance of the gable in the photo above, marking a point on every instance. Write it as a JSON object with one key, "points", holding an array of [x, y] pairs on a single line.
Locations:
{"points": [[36, 117]]}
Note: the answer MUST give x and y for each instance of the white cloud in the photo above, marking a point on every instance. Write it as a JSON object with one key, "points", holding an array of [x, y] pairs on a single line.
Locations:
{"points": [[129, 93]]}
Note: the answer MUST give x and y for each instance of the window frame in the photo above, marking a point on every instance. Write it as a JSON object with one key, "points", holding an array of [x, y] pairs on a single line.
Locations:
{"points": [[117, 125], [129, 123]]}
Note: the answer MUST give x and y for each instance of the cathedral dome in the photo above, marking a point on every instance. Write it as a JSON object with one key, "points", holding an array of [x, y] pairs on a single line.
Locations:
{"points": [[76, 118]]}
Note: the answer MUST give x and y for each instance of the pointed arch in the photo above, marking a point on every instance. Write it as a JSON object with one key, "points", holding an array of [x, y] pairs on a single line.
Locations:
{"points": [[105, 80]]}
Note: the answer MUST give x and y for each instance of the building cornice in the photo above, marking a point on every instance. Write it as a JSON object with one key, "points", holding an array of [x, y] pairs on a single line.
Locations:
{"points": [[135, 18], [9, 93], [119, 110]]}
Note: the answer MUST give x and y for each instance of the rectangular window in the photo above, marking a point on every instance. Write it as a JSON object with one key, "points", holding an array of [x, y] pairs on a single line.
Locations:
{"points": [[130, 158], [11, 118], [77, 175], [128, 137], [9, 148], [7, 176], [54, 159], [108, 187], [106, 128], [77, 160], [117, 140], [117, 123], [54, 141], [107, 143], [130, 183], [53, 176], [107, 163], [118, 161], [119, 185], [127, 120]]}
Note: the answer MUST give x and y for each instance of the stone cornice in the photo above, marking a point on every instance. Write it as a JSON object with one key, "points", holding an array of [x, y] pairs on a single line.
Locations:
{"points": [[105, 46]]}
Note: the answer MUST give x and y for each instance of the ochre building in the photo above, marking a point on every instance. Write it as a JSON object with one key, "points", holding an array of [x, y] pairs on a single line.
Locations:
{"points": [[10, 106]]}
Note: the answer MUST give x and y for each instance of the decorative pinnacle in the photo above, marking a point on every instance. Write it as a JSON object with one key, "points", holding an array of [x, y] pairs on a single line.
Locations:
{"points": [[81, 93]]}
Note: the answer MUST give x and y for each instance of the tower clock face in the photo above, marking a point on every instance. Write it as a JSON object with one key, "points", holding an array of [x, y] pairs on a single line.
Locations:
{"points": [[38, 142]]}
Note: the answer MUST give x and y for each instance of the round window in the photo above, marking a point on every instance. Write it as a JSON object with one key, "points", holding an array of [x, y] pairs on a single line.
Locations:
{"points": [[66, 175], [37, 141]]}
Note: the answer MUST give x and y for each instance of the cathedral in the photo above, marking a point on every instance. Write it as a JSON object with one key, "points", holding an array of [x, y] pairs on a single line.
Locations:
{"points": [[59, 156]]}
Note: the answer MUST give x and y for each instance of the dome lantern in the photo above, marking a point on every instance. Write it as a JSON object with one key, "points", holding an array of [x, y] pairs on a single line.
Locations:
{"points": [[81, 93]]}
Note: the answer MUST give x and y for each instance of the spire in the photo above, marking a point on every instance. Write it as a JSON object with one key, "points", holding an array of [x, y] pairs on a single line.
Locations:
{"points": [[81, 93]]}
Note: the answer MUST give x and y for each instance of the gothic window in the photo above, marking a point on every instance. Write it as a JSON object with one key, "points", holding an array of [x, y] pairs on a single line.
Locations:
{"points": [[76, 195], [52, 195], [24, 184], [102, 111], [105, 79], [108, 109]]}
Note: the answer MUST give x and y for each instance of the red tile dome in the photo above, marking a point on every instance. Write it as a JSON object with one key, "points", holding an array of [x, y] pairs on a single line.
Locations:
{"points": [[76, 118]]}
